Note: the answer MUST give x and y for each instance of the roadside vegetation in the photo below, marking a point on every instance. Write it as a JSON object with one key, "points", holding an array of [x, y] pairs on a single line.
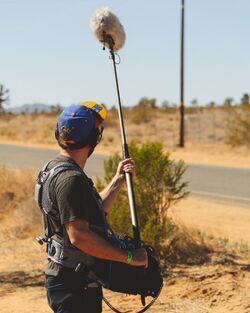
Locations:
{"points": [[18, 212], [238, 130], [223, 124], [158, 184]]}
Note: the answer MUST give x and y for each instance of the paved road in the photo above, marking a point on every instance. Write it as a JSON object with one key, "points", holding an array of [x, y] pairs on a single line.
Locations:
{"points": [[226, 184], [231, 185], [27, 157]]}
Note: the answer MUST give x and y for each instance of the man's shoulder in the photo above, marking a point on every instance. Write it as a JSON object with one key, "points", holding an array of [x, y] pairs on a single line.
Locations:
{"points": [[61, 160], [70, 174]]}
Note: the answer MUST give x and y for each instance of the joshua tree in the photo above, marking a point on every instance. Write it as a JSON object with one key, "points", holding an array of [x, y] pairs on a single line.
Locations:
{"points": [[4, 97]]}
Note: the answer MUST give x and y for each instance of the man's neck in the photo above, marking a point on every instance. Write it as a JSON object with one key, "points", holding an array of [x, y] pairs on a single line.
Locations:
{"points": [[79, 156]]}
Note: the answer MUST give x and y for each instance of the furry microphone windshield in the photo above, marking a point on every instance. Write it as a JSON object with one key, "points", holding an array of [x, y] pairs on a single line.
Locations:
{"points": [[105, 25]]}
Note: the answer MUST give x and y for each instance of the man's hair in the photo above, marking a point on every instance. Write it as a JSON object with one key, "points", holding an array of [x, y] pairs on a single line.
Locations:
{"points": [[66, 146]]}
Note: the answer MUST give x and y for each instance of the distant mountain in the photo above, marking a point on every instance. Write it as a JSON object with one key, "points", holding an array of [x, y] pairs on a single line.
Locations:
{"points": [[30, 108]]}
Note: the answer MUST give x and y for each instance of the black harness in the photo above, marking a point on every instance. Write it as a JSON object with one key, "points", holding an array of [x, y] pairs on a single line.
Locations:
{"points": [[58, 250]]}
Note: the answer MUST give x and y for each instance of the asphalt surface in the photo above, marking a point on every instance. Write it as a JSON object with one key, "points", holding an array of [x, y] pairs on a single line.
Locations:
{"points": [[29, 157], [230, 185]]}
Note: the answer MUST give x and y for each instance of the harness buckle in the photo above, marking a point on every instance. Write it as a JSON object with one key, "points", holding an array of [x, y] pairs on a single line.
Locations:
{"points": [[80, 267]]}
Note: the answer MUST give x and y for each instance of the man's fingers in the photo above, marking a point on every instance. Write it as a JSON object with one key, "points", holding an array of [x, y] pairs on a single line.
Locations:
{"points": [[128, 161], [129, 168], [126, 166], [130, 165]]}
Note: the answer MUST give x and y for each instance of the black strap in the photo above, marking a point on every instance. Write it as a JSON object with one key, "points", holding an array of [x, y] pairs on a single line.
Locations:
{"points": [[47, 226], [54, 213]]}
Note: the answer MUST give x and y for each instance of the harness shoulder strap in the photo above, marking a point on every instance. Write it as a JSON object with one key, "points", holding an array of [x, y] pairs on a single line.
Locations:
{"points": [[47, 204], [42, 193]]}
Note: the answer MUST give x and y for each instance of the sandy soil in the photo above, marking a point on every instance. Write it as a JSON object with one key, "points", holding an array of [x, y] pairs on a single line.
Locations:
{"points": [[214, 219], [220, 286], [211, 154]]}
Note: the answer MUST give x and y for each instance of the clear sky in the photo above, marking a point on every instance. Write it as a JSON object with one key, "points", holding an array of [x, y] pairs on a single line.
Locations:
{"points": [[48, 53]]}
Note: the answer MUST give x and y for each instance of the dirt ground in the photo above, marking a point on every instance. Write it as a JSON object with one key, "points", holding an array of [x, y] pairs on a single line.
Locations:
{"points": [[226, 222], [222, 285]]}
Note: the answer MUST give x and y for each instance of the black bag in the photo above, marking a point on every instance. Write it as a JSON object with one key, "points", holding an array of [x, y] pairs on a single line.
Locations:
{"points": [[128, 279]]}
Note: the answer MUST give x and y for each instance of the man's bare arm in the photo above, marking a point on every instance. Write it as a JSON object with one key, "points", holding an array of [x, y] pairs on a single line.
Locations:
{"points": [[91, 243], [109, 194]]}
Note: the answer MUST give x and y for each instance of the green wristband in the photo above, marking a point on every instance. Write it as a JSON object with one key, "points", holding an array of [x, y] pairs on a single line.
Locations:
{"points": [[129, 258]]}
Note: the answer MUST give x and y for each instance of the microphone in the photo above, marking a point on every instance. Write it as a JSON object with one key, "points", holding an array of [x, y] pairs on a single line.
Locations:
{"points": [[108, 29]]}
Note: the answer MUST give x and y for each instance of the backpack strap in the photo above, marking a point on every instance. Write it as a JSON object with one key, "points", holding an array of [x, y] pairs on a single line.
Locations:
{"points": [[42, 193]]}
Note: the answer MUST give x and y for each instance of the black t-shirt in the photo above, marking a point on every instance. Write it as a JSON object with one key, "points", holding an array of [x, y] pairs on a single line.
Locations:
{"points": [[75, 198]]}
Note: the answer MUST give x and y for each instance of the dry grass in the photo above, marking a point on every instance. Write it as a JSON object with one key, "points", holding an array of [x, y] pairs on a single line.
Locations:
{"points": [[36, 129], [206, 126], [19, 214]]}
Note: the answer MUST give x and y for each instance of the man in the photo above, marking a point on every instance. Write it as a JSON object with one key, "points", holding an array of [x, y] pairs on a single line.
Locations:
{"points": [[75, 214]]}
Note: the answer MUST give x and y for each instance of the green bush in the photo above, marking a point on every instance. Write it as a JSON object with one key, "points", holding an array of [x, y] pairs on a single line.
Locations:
{"points": [[158, 183]]}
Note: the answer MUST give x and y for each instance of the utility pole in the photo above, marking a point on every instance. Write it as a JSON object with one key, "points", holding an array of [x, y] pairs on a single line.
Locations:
{"points": [[182, 106]]}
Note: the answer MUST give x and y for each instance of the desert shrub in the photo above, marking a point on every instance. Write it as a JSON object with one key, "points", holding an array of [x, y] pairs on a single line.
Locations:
{"points": [[238, 127], [16, 200], [144, 111], [15, 187], [158, 183], [139, 115], [186, 246]]}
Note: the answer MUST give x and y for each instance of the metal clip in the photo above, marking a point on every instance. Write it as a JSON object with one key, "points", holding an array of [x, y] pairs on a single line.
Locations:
{"points": [[41, 240]]}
